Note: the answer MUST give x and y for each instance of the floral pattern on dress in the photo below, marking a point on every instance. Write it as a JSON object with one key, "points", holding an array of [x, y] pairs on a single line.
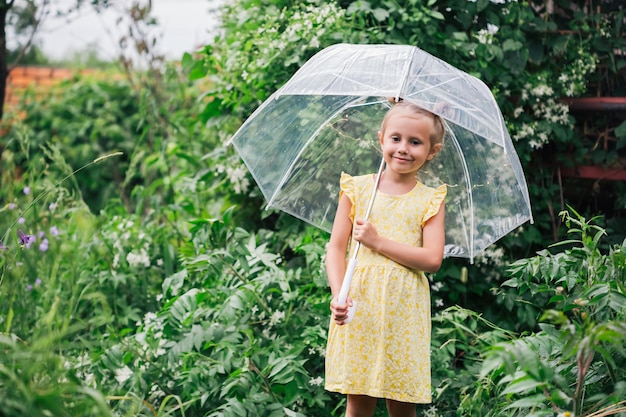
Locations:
{"points": [[384, 352]]}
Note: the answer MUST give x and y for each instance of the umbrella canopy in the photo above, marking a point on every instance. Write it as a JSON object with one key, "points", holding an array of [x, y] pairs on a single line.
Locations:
{"points": [[325, 120]]}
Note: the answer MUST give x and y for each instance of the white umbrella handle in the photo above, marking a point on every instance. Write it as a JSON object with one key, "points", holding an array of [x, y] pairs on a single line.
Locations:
{"points": [[347, 278]]}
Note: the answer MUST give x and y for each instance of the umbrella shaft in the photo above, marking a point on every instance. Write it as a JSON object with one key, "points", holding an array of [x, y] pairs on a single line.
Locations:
{"points": [[347, 278]]}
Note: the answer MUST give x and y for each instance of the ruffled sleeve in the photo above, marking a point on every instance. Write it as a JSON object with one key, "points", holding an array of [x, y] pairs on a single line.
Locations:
{"points": [[346, 184], [439, 194]]}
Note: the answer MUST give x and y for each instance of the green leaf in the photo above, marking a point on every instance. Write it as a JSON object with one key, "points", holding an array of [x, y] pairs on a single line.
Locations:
{"points": [[380, 14], [620, 130], [512, 45], [527, 402], [435, 14], [521, 386]]}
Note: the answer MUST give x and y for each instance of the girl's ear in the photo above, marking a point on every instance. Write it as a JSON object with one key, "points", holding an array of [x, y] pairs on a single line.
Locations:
{"points": [[434, 150], [380, 137]]}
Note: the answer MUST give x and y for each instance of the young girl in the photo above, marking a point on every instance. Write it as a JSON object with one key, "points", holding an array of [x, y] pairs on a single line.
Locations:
{"points": [[384, 352]]}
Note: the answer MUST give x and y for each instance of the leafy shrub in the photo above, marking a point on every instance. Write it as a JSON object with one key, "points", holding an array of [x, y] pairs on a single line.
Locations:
{"points": [[575, 362]]}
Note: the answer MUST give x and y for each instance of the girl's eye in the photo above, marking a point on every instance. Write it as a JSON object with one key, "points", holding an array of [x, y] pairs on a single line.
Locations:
{"points": [[415, 142]]}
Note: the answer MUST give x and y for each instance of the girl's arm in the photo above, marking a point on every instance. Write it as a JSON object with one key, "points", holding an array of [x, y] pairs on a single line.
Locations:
{"points": [[338, 245], [336, 256], [427, 258]]}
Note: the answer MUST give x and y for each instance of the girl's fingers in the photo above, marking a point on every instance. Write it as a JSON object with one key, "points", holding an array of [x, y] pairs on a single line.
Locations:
{"points": [[340, 312]]}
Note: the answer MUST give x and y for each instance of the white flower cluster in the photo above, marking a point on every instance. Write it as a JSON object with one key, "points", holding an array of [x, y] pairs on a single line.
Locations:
{"points": [[436, 287], [316, 382], [543, 97], [128, 243], [150, 344], [531, 130], [573, 79], [82, 367], [493, 255], [486, 36], [308, 23], [304, 27], [431, 412], [236, 176], [545, 107], [277, 317], [140, 258], [123, 374], [149, 350]]}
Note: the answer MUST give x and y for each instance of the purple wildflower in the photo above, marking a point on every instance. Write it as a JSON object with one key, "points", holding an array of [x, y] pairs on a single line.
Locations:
{"points": [[12, 206], [29, 287], [24, 239], [38, 281], [43, 246], [52, 206], [21, 220], [26, 190], [3, 246], [41, 234], [54, 231]]}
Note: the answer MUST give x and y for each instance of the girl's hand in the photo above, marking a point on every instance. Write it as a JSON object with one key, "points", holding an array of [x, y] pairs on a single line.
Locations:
{"points": [[340, 312], [366, 233]]}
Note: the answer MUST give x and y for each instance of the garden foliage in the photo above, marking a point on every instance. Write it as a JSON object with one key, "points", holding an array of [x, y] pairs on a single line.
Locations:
{"points": [[141, 276]]}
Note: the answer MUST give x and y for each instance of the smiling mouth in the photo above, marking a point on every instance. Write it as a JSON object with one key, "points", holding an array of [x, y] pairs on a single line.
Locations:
{"points": [[401, 159]]}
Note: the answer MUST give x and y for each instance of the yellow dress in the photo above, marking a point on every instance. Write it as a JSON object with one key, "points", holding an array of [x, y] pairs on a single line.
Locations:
{"points": [[384, 352]]}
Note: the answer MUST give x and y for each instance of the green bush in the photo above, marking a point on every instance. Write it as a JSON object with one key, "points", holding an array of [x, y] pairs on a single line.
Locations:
{"points": [[576, 361], [165, 289]]}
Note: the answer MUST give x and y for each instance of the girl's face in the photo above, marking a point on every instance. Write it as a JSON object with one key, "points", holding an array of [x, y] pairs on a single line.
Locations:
{"points": [[406, 142]]}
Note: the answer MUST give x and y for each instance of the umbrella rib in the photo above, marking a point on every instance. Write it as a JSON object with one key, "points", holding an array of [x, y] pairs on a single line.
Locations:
{"points": [[407, 67], [309, 140], [469, 105], [370, 204], [463, 163]]}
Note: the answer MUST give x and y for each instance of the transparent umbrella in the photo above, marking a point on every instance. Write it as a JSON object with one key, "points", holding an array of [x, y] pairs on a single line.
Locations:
{"points": [[325, 120]]}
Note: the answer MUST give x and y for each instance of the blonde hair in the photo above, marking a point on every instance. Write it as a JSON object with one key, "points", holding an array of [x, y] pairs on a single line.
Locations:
{"points": [[439, 129]]}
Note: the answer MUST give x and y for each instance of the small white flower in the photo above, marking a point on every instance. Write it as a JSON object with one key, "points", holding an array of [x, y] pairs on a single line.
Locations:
{"points": [[137, 259], [148, 318], [492, 29], [431, 412], [122, 374], [277, 317], [484, 37], [316, 382]]}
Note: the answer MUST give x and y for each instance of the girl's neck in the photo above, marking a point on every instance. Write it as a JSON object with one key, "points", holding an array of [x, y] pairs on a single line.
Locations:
{"points": [[393, 183]]}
